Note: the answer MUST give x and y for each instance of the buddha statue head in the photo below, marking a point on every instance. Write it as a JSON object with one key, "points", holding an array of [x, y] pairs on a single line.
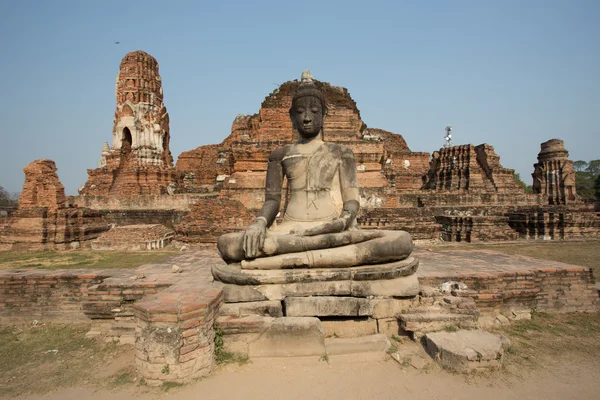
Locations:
{"points": [[308, 108]]}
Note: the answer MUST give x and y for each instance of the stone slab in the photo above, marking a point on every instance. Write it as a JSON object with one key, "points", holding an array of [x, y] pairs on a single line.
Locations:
{"points": [[327, 306], [240, 293], [388, 326], [238, 343], [269, 308], [391, 307], [467, 350], [421, 323], [405, 286], [364, 344], [279, 292], [350, 328], [231, 325], [290, 337]]}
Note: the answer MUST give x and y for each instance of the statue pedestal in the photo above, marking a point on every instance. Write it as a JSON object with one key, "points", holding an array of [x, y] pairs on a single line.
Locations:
{"points": [[347, 302], [395, 279]]}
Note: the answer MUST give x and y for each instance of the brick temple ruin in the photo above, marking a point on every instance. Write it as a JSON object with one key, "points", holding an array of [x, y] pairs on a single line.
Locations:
{"points": [[44, 218], [139, 161], [168, 309], [457, 193]]}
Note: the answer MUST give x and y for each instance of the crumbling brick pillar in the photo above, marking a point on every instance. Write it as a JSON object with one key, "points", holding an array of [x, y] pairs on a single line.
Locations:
{"points": [[175, 334]]}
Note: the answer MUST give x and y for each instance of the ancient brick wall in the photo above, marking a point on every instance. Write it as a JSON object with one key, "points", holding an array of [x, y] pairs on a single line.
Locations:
{"points": [[134, 237], [106, 301], [475, 228], [419, 222], [550, 289], [211, 218], [177, 202], [554, 223], [40, 228], [201, 167], [168, 218], [45, 296]]}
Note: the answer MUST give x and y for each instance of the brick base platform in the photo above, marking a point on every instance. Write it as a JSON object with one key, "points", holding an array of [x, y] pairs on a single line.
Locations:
{"points": [[496, 281], [500, 282], [169, 315]]}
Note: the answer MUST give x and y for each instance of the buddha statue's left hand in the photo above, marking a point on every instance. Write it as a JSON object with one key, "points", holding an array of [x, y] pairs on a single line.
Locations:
{"points": [[254, 238]]}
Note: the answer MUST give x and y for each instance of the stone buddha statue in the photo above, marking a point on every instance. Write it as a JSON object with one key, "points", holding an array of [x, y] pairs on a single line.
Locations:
{"points": [[319, 224]]}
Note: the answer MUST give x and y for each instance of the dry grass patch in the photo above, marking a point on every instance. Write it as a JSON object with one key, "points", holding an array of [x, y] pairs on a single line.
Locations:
{"points": [[38, 359], [51, 259], [547, 338]]}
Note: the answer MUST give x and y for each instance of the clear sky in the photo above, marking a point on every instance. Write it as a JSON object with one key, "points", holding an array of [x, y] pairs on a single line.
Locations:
{"points": [[510, 73]]}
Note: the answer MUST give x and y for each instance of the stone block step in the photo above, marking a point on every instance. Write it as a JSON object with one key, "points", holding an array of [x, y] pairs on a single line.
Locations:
{"points": [[271, 308], [420, 324], [464, 351], [327, 306], [364, 344], [351, 327], [435, 317], [290, 337], [342, 306], [122, 328], [231, 325]]}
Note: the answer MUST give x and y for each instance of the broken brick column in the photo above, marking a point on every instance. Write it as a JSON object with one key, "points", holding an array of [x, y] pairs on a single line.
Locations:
{"points": [[175, 334]]}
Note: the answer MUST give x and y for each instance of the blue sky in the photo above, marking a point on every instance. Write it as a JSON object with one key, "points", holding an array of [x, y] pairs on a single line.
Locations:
{"points": [[508, 73]]}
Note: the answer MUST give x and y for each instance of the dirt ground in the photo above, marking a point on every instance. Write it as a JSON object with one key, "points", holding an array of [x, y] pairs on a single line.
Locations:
{"points": [[550, 357], [366, 376]]}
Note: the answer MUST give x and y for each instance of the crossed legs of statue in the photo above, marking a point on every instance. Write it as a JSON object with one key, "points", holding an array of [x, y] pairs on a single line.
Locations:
{"points": [[335, 250]]}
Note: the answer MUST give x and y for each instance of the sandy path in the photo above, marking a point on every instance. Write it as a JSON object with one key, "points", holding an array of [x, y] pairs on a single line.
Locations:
{"points": [[363, 377]]}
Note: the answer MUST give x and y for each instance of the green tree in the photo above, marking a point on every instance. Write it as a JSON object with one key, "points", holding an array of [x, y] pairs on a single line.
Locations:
{"points": [[8, 199], [526, 188], [597, 187], [580, 165], [594, 167], [584, 185]]}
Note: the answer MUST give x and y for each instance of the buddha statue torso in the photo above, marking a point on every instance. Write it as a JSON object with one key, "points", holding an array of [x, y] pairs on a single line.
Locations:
{"points": [[313, 180]]}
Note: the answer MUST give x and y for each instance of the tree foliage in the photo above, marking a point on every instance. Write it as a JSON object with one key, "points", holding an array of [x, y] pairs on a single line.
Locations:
{"points": [[584, 184], [526, 188], [587, 179], [580, 165], [593, 167], [7, 199]]}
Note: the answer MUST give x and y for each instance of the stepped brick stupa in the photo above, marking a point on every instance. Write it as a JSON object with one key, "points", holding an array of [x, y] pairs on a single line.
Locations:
{"points": [[139, 160]]}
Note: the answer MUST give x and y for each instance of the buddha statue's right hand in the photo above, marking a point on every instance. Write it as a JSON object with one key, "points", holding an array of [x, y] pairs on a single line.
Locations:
{"points": [[254, 238]]}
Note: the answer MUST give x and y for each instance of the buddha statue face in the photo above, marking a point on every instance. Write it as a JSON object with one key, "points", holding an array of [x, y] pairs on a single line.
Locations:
{"points": [[307, 116]]}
